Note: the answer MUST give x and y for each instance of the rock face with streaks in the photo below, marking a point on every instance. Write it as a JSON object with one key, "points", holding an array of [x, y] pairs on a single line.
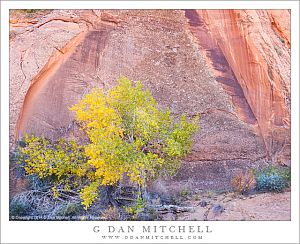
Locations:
{"points": [[256, 45], [230, 66]]}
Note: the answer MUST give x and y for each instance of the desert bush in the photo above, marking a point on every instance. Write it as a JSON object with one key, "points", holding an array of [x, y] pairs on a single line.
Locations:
{"points": [[29, 11], [19, 209], [272, 182], [243, 182], [40, 202], [69, 209], [136, 208], [283, 172], [150, 214], [273, 178], [59, 165], [33, 11], [35, 183], [196, 197], [184, 193], [110, 214]]}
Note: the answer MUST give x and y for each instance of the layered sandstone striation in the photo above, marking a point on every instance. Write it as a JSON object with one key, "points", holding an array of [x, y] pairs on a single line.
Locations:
{"points": [[231, 67], [256, 45]]}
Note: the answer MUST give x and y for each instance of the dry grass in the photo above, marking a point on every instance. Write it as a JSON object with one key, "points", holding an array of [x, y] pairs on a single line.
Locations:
{"points": [[243, 182], [110, 214], [27, 14]]}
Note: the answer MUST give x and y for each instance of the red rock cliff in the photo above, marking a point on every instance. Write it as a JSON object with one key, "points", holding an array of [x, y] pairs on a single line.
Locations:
{"points": [[231, 66], [256, 45]]}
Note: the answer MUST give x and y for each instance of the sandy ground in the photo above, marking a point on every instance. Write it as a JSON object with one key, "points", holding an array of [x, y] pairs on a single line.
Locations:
{"points": [[229, 206]]}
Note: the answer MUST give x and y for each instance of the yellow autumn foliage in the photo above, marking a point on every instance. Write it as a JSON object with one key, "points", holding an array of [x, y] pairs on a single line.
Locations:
{"points": [[128, 135]]}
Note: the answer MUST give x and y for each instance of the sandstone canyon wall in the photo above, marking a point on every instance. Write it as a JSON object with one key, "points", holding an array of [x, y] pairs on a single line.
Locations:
{"points": [[230, 66]]}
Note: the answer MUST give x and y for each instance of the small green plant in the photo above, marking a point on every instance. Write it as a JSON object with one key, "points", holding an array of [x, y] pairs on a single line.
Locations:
{"points": [[210, 194], [29, 11], [136, 208], [70, 209], [153, 215], [284, 172], [272, 182], [184, 193], [273, 178], [196, 197], [18, 209]]}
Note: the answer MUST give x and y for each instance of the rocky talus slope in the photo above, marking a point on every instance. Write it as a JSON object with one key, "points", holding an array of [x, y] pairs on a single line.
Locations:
{"points": [[230, 66]]}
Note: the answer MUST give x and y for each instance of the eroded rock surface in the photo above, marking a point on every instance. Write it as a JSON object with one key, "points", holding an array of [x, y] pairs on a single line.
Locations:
{"points": [[231, 67], [256, 44]]}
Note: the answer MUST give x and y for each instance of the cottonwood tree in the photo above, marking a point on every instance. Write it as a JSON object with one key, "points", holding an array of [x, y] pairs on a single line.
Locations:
{"points": [[130, 136]]}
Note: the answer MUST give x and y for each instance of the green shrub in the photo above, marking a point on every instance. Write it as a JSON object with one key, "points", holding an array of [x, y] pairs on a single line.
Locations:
{"points": [[283, 172], [184, 193], [136, 208], [59, 165], [70, 209], [272, 178], [273, 182], [30, 11], [19, 209]]}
